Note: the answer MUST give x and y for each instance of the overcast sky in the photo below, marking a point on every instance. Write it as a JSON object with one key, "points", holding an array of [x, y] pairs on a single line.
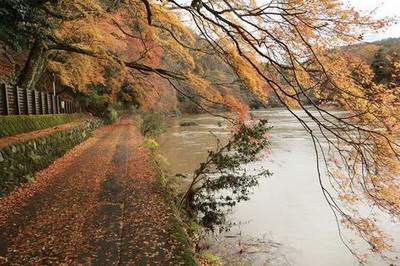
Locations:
{"points": [[383, 8]]}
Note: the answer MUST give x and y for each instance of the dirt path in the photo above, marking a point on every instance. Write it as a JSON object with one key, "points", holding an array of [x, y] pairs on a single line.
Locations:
{"points": [[98, 204]]}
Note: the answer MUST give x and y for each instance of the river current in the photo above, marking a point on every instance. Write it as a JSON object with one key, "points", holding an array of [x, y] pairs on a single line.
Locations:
{"points": [[287, 220]]}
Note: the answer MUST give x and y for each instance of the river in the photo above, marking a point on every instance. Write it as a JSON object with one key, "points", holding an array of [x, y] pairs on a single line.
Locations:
{"points": [[286, 221]]}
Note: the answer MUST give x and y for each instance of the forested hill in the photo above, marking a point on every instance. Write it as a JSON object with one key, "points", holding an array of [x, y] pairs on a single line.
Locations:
{"points": [[369, 51], [381, 56]]}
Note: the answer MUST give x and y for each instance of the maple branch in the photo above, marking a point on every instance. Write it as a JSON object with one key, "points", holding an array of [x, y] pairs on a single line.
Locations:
{"points": [[161, 71], [148, 10], [71, 48], [124, 31], [61, 15]]}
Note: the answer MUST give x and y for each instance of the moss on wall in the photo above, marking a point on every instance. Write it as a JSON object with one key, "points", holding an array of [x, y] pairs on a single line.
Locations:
{"points": [[19, 161], [16, 124]]}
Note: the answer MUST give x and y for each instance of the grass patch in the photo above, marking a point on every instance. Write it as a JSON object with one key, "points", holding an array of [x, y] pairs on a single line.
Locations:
{"points": [[186, 254], [16, 124], [210, 258]]}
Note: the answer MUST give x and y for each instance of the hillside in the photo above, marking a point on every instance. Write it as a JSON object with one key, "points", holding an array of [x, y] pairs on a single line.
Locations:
{"points": [[381, 56], [368, 51]]}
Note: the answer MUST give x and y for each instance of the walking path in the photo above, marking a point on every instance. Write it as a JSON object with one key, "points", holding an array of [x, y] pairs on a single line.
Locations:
{"points": [[98, 204]]}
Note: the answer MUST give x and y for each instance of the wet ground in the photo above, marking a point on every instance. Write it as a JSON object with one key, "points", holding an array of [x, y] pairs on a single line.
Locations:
{"points": [[99, 204]]}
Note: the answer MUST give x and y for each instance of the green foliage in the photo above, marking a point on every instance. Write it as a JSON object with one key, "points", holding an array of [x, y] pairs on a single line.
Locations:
{"points": [[383, 65], [222, 180], [12, 125], [138, 121], [180, 235], [211, 259], [99, 89], [96, 104], [151, 123], [29, 178], [151, 144], [185, 252], [111, 115], [20, 21]]}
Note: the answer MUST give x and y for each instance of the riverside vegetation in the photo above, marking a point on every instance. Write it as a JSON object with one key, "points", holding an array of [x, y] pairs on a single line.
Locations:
{"points": [[216, 186]]}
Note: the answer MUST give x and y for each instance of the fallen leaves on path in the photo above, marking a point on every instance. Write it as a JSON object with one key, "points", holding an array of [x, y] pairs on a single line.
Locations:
{"points": [[97, 204]]}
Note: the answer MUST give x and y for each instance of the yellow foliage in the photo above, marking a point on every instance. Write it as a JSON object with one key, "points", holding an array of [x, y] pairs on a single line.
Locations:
{"points": [[285, 48]]}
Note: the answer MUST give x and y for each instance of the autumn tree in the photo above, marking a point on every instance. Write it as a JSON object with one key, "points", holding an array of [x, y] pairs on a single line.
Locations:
{"points": [[279, 47], [31, 24], [287, 47]]}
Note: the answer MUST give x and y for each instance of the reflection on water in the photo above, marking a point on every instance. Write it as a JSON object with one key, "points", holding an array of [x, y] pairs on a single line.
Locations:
{"points": [[287, 221]]}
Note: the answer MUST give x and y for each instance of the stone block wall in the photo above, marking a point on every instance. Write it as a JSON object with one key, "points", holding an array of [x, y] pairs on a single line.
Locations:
{"points": [[18, 162]]}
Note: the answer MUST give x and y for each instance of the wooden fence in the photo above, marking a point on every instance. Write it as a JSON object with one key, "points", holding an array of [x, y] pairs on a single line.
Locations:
{"points": [[19, 101]]}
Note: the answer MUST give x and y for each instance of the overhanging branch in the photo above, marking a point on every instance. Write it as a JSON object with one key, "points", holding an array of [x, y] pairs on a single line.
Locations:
{"points": [[148, 10], [161, 71], [61, 15], [71, 48]]}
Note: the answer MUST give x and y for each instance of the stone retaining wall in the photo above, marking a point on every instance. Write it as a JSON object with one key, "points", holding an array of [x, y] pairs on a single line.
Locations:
{"points": [[16, 124], [19, 161]]}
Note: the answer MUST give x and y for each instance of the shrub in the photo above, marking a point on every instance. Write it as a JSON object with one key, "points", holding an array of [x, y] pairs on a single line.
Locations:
{"points": [[12, 125], [151, 144], [222, 181], [110, 115], [210, 258], [96, 104], [138, 121], [151, 123]]}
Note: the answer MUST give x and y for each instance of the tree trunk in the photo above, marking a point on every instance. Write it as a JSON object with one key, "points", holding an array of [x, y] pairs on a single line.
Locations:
{"points": [[34, 66]]}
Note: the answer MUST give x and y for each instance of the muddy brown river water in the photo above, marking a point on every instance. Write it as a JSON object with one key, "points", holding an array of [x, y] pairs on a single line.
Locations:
{"points": [[286, 221]]}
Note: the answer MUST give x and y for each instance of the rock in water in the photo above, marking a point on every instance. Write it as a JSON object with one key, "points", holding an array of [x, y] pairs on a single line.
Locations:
{"points": [[188, 124]]}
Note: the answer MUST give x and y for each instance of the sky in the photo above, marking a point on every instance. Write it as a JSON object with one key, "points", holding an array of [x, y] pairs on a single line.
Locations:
{"points": [[384, 8]]}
